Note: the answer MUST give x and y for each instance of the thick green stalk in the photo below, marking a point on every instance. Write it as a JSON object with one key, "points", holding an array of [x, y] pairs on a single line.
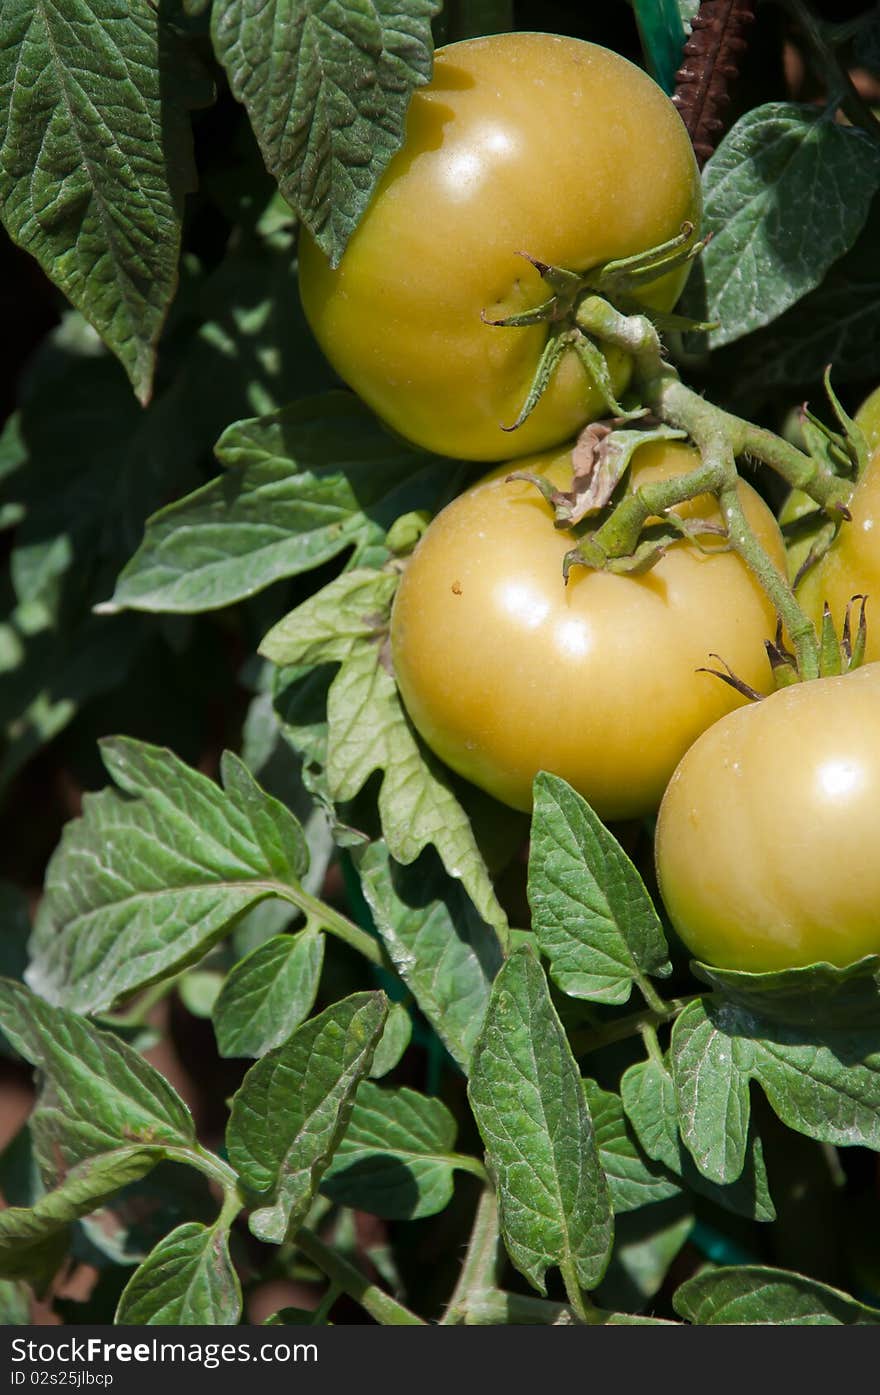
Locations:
{"points": [[374, 1300]]}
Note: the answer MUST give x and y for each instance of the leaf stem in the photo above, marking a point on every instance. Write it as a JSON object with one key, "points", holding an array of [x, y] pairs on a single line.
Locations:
{"points": [[336, 924], [465, 1162], [496, 1308], [576, 1297], [374, 1300], [479, 1272], [593, 1038], [830, 68]]}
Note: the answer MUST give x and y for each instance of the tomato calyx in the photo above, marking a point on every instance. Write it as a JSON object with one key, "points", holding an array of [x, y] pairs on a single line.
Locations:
{"points": [[619, 280]]}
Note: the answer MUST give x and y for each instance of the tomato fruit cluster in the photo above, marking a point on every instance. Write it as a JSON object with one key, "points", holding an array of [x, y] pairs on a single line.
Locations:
{"points": [[520, 143], [507, 670]]}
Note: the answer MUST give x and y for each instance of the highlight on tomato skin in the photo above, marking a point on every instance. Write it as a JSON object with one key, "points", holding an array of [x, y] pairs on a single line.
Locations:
{"points": [[505, 670], [766, 840], [520, 143]]}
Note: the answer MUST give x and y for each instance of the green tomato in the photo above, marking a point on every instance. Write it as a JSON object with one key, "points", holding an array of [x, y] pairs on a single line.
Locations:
{"points": [[520, 143], [766, 837], [506, 670]]}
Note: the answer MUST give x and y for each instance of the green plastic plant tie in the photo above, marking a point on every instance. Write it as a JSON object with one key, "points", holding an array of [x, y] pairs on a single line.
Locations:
{"points": [[663, 38]]}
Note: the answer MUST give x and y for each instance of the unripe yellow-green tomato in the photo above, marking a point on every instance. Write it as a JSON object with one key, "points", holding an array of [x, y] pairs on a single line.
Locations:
{"points": [[530, 143], [766, 841], [852, 564], [868, 418], [505, 670]]}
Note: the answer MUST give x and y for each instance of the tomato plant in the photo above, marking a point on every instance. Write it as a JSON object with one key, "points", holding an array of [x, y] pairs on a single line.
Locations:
{"points": [[520, 143], [506, 669], [299, 1024], [765, 830]]}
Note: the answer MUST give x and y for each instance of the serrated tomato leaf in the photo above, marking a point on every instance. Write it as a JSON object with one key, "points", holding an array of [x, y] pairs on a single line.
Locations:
{"points": [[591, 912], [328, 103], [529, 1103], [151, 876]]}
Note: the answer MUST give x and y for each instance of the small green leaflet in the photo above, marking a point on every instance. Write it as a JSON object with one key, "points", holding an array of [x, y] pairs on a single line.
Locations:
{"points": [[96, 159], [822, 1084], [148, 879], [648, 1094], [368, 730], [328, 101], [774, 1297], [300, 487], [396, 1158], [293, 1107], [393, 1041], [98, 1093], [445, 954], [633, 1179], [814, 997], [786, 194], [529, 1103], [592, 914], [187, 1281], [268, 994], [33, 1239]]}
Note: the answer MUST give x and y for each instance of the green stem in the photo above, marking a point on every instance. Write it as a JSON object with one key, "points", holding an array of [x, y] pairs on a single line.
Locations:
{"points": [[374, 1300], [466, 1163], [591, 1039], [830, 68], [719, 437], [745, 544], [336, 923], [495, 1308], [650, 994], [580, 1304], [479, 1272]]}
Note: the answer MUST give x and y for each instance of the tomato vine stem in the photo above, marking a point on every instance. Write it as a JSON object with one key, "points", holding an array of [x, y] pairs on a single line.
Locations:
{"points": [[720, 437], [592, 1038]]}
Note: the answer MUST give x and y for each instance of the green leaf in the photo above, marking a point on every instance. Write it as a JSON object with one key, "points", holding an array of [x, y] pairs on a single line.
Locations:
{"points": [[300, 487], [132, 1222], [395, 1158], [817, 996], [838, 323], [334, 622], [98, 1093], [268, 994], [825, 1085], [147, 880], [15, 928], [756, 1294], [633, 1179], [368, 730], [96, 160], [648, 1094], [34, 1240], [187, 1280], [786, 194], [529, 1103], [393, 1041], [293, 1108], [591, 912], [328, 104], [15, 1307], [446, 955]]}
